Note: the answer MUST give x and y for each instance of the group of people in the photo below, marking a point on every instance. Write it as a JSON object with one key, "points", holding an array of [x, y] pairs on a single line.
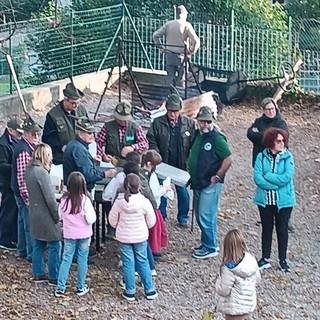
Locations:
{"points": [[31, 217]]}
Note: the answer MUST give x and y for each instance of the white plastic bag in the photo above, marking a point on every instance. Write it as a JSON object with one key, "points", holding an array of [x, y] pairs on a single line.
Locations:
{"points": [[169, 194], [110, 190]]}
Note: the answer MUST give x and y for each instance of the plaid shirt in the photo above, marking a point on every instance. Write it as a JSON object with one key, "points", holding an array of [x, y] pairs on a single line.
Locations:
{"points": [[141, 144], [22, 163]]}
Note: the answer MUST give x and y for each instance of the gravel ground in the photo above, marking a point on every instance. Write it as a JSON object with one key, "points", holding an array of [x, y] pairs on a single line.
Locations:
{"points": [[185, 285]]}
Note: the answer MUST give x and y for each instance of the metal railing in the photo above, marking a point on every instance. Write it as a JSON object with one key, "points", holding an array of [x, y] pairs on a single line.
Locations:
{"points": [[307, 39], [84, 41]]}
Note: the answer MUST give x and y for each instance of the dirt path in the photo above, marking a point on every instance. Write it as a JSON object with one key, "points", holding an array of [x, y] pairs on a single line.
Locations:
{"points": [[186, 286]]}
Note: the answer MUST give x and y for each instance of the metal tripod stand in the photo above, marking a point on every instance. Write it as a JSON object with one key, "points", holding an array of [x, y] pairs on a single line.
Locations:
{"points": [[120, 60]]}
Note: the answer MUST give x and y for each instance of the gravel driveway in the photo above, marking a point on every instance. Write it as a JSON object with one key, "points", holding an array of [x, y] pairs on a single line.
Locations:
{"points": [[186, 285]]}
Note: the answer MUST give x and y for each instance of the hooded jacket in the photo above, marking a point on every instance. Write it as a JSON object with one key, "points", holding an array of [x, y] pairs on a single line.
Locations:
{"points": [[132, 219], [262, 124], [281, 180], [236, 287]]}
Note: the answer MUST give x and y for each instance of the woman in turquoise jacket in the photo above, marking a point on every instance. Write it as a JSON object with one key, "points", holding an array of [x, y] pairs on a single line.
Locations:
{"points": [[275, 197]]}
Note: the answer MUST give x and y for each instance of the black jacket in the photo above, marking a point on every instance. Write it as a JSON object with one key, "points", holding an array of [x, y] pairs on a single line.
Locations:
{"points": [[59, 129], [262, 124], [7, 144], [159, 138]]}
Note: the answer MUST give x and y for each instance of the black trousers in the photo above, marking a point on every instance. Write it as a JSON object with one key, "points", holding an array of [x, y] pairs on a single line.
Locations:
{"points": [[270, 216], [8, 217]]}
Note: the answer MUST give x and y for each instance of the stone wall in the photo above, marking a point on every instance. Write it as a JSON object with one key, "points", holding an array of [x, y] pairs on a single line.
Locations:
{"points": [[38, 98]]}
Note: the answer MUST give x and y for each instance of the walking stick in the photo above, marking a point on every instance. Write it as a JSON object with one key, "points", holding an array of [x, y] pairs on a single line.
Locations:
{"points": [[193, 213]]}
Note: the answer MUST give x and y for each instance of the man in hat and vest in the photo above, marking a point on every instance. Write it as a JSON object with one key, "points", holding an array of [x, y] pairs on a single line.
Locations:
{"points": [[210, 159], [178, 33], [120, 136], [21, 157], [59, 127], [171, 135], [78, 158], [8, 206]]}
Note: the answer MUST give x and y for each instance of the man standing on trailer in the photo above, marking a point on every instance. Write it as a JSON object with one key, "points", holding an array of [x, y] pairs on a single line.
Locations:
{"points": [[178, 33]]}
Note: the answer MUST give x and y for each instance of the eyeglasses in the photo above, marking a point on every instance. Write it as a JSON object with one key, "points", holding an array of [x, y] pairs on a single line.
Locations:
{"points": [[206, 121], [280, 141], [74, 103], [35, 134]]}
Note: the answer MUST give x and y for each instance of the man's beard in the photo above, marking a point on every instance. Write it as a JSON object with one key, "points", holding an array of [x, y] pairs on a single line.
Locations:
{"points": [[206, 130]]}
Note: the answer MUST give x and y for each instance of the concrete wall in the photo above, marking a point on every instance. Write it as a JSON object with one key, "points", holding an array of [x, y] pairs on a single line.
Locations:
{"points": [[38, 98]]}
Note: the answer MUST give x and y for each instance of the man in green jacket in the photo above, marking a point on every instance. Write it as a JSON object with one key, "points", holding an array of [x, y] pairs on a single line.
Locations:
{"points": [[171, 135], [59, 127]]}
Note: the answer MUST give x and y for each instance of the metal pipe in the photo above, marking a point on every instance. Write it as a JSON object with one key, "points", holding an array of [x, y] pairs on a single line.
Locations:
{"points": [[71, 31], [185, 72], [137, 34], [232, 41], [10, 53], [120, 66]]}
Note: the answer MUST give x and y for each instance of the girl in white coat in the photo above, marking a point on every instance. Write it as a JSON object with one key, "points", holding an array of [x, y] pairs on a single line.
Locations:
{"points": [[236, 284], [132, 215]]}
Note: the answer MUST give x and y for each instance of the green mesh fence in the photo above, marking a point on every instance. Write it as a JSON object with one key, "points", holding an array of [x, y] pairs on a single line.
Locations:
{"points": [[42, 53], [224, 48], [307, 37], [84, 41]]}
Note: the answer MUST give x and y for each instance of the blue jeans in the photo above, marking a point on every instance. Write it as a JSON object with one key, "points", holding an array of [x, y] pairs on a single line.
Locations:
{"points": [[39, 248], [206, 203], [24, 238], [183, 198], [70, 247], [136, 254], [151, 262]]}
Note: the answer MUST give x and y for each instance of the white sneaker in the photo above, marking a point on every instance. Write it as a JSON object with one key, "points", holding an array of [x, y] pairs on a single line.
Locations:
{"points": [[151, 295], [82, 291], [153, 273]]}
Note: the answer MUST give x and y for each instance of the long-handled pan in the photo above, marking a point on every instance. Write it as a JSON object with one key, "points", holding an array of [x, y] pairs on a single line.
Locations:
{"points": [[236, 85]]}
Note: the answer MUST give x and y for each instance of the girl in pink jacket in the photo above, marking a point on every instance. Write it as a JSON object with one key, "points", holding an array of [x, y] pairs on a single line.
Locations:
{"points": [[132, 215], [78, 215]]}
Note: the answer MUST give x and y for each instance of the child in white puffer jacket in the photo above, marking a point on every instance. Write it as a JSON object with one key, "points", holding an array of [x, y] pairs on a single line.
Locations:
{"points": [[236, 284]]}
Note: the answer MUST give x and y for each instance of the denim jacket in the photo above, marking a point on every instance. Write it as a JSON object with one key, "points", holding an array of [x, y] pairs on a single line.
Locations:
{"points": [[281, 180]]}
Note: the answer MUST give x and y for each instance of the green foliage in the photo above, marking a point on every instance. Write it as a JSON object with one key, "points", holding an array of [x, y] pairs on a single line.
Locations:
{"points": [[73, 42], [303, 8], [261, 13], [18, 61], [23, 9], [306, 22]]}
